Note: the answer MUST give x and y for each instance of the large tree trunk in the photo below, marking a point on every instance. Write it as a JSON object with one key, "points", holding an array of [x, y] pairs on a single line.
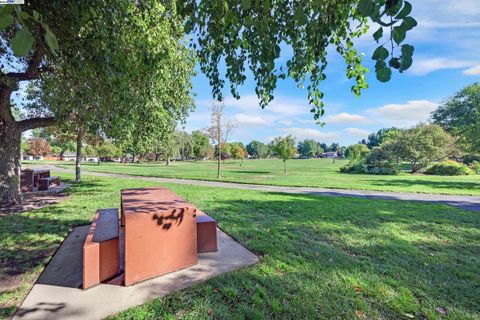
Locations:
{"points": [[78, 160], [10, 139]]}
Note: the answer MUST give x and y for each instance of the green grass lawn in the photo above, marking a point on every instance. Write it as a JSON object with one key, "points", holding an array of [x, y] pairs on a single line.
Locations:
{"points": [[311, 173], [321, 257]]}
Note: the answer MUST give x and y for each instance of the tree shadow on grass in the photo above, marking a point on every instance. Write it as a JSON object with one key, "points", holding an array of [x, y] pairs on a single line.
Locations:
{"points": [[384, 258]]}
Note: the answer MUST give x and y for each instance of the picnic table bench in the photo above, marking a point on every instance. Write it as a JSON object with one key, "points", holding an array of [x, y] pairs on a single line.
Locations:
{"points": [[162, 233], [47, 182], [101, 256]]}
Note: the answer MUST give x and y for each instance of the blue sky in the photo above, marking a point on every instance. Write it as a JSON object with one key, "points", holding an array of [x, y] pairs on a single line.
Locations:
{"points": [[447, 58]]}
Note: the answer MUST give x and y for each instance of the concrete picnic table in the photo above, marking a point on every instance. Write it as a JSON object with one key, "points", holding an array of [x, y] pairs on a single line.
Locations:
{"points": [[160, 233]]}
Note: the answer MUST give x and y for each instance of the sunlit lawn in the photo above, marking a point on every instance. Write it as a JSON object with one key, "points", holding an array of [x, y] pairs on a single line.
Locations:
{"points": [[321, 257], [311, 173]]}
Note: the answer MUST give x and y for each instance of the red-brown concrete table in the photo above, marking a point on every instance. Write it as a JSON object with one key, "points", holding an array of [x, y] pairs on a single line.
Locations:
{"points": [[38, 175], [160, 233]]}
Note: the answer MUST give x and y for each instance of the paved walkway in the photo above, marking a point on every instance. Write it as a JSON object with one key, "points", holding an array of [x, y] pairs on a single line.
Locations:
{"points": [[465, 202]]}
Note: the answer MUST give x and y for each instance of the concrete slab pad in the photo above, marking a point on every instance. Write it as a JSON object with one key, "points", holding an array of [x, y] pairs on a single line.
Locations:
{"points": [[56, 295]]}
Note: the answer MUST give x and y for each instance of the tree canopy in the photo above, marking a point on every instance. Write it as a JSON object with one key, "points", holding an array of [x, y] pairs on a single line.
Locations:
{"points": [[460, 115], [284, 148], [423, 144], [251, 34], [375, 139], [309, 148], [257, 149]]}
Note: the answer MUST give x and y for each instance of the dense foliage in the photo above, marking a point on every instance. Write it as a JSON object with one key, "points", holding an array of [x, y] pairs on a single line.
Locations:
{"points": [[284, 148], [252, 34], [449, 168], [309, 148], [460, 115]]}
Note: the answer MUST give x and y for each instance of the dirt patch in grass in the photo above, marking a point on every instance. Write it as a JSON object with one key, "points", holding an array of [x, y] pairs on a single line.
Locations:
{"points": [[35, 200]]}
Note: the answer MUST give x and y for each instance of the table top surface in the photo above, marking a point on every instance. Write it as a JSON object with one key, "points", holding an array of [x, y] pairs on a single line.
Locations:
{"points": [[40, 171], [153, 200]]}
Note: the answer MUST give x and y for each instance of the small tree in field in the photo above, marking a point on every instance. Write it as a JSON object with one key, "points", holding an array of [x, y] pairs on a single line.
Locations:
{"points": [[38, 147], [284, 148], [238, 152], [220, 130]]}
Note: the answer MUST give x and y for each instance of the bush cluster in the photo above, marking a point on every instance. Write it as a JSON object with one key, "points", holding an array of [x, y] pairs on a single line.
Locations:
{"points": [[450, 168], [475, 166], [366, 168]]}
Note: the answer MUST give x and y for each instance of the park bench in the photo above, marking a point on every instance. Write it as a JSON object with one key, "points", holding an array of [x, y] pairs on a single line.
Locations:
{"points": [[47, 182], [101, 254]]}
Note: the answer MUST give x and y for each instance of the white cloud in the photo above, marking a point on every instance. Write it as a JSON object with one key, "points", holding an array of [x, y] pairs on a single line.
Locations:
{"points": [[473, 71], [424, 66], [346, 118], [244, 119], [308, 133], [286, 122], [357, 132], [403, 115]]}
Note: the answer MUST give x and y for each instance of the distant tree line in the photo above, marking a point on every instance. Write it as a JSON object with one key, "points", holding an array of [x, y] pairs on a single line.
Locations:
{"points": [[451, 139]]}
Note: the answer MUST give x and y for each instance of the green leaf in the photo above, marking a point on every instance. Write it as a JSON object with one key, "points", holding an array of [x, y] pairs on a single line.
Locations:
{"points": [[407, 8], [5, 20], [365, 7], [384, 74], [378, 34], [406, 57], [22, 42], [246, 4], [407, 50], [51, 40], [399, 33], [380, 53], [409, 23], [394, 63]]}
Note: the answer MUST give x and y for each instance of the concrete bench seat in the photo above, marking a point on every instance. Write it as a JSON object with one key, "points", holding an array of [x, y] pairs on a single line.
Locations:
{"points": [[101, 256], [47, 182], [206, 232]]}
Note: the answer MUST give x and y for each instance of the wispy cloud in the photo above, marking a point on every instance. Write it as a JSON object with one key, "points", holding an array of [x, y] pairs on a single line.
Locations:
{"points": [[315, 134], [473, 71], [403, 115], [424, 66], [361, 133], [246, 120], [344, 117]]}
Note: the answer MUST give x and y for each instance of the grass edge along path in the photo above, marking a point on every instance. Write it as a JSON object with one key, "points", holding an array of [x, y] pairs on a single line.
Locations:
{"points": [[322, 257], [302, 173]]}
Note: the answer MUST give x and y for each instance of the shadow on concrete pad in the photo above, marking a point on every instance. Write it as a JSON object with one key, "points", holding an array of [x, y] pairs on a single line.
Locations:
{"points": [[66, 267], [56, 295]]}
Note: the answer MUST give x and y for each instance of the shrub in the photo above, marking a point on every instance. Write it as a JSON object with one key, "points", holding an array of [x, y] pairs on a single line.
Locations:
{"points": [[449, 168], [475, 166], [469, 158], [361, 167], [354, 167]]}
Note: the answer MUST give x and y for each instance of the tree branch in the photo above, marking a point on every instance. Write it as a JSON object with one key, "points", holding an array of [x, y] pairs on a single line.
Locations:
{"points": [[34, 123], [25, 76]]}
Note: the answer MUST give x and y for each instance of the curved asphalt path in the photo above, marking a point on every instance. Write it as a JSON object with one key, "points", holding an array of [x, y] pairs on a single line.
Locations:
{"points": [[471, 203]]}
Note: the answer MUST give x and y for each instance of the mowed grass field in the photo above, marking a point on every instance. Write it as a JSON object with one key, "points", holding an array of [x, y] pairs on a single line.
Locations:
{"points": [[321, 257], [305, 173]]}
